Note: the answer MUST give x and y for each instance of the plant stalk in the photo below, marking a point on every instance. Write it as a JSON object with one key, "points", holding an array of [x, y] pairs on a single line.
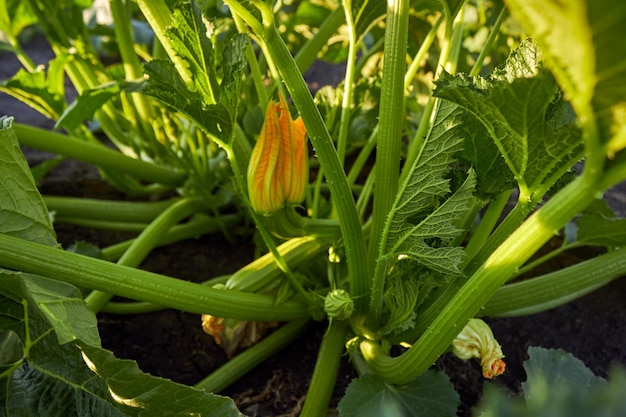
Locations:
{"points": [[325, 372], [482, 285], [329, 161], [82, 271], [388, 146]]}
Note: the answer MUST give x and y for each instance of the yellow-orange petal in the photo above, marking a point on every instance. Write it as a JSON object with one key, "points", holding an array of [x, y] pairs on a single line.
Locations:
{"points": [[296, 189], [264, 187], [278, 169]]}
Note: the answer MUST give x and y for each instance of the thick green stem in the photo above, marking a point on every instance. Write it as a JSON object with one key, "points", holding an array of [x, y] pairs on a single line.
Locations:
{"points": [[348, 85], [132, 66], [487, 223], [141, 307], [146, 241], [329, 161], [325, 372], [557, 288], [126, 211], [198, 226], [483, 284], [238, 366], [389, 138], [96, 154], [136, 284]]}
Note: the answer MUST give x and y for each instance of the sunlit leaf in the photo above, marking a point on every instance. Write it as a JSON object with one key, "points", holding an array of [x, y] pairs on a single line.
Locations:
{"points": [[515, 105], [218, 119], [42, 90], [22, 210], [86, 104], [579, 40], [15, 15]]}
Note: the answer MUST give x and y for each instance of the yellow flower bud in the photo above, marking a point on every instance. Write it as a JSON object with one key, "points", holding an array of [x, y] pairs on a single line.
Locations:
{"points": [[476, 340], [278, 170]]}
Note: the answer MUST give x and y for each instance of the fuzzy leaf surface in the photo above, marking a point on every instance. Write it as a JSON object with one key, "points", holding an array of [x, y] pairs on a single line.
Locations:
{"points": [[189, 36], [23, 213], [515, 105], [218, 119], [431, 394], [422, 219]]}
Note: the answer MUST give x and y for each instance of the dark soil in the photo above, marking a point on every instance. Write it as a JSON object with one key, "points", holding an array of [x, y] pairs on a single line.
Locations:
{"points": [[171, 344]]}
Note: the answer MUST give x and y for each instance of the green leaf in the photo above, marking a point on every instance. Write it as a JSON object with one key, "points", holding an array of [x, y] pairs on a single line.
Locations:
{"points": [[400, 297], [558, 385], [33, 393], [600, 230], [555, 367], [139, 394], [166, 85], [516, 106], [422, 219], [218, 119], [492, 174], [15, 15], [59, 334], [189, 34], [22, 211], [579, 42], [430, 395], [45, 92], [86, 104]]}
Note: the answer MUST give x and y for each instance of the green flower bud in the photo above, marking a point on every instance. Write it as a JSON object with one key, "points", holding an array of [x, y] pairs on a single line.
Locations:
{"points": [[338, 304]]}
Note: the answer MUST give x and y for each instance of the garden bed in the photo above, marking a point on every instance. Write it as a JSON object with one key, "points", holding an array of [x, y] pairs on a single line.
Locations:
{"points": [[172, 344]]}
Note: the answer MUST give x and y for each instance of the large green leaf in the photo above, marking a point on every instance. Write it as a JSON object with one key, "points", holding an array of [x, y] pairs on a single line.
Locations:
{"points": [[555, 367], [516, 105], [582, 43], [22, 211], [59, 334], [423, 218], [430, 395], [558, 385]]}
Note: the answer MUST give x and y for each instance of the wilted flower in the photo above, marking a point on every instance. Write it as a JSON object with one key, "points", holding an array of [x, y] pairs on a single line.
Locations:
{"points": [[477, 341], [278, 168], [234, 335]]}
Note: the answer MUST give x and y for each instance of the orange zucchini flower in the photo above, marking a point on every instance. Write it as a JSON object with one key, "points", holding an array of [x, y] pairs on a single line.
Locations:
{"points": [[278, 170], [477, 341]]}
